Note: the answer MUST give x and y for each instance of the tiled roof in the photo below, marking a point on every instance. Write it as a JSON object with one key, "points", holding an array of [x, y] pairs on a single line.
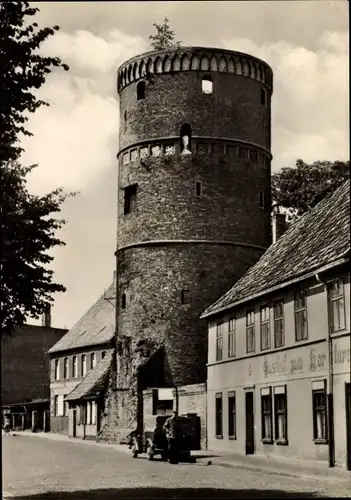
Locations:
{"points": [[97, 326], [319, 238], [94, 381]]}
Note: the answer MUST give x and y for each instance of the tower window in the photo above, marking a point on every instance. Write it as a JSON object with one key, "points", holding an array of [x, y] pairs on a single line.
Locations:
{"points": [[130, 195], [123, 301], [263, 97], [198, 188], [207, 85], [261, 200], [125, 116], [184, 297], [140, 90]]}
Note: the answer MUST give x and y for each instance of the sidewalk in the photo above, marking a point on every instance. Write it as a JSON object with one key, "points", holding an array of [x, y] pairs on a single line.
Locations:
{"points": [[255, 463]]}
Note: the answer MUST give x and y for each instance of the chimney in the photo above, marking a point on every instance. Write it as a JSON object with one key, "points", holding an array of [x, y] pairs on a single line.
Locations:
{"points": [[46, 317], [279, 223]]}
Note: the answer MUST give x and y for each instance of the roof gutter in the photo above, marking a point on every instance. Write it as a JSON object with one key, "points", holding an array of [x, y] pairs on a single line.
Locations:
{"points": [[343, 260]]}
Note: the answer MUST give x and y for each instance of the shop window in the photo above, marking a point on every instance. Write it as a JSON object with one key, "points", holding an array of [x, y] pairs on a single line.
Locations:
{"points": [[231, 338], [57, 369], [123, 301], [266, 415], [337, 305], [280, 415], [300, 307], [207, 85], [231, 415], [319, 415], [219, 341], [65, 368], [130, 197], [198, 188], [250, 331], [265, 328], [219, 415], [140, 91], [83, 365], [75, 367], [279, 338]]}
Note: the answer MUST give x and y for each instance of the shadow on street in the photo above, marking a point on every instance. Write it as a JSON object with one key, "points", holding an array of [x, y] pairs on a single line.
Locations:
{"points": [[174, 493]]}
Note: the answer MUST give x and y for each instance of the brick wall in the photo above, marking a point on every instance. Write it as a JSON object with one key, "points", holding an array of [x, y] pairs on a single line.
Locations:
{"points": [[25, 363]]}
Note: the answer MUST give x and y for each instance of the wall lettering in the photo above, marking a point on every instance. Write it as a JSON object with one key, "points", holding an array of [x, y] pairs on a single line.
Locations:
{"points": [[341, 355], [276, 367], [317, 360], [296, 365]]}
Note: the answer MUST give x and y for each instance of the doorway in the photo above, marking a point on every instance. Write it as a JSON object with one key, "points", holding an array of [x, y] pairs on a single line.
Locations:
{"points": [[249, 412], [348, 424], [74, 415]]}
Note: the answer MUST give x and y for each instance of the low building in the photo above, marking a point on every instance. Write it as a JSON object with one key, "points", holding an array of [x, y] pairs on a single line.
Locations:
{"points": [[279, 346], [80, 364], [24, 372]]}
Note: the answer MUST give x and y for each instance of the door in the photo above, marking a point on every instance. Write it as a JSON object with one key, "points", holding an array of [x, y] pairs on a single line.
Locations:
{"points": [[348, 424], [249, 412], [74, 416]]}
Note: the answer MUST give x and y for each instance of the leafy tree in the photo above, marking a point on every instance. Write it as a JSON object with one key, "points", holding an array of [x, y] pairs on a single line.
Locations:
{"points": [[298, 189], [164, 38], [27, 228]]}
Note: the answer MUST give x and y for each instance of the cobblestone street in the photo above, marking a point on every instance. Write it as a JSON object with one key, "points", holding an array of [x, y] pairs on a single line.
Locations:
{"points": [[38, 468]]}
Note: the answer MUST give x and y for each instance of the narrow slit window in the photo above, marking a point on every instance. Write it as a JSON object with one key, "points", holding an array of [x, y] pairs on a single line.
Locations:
{"points": [[198, 188], [130, 195], [207, 85], [140, 91], [184, 297], [125, 116], [123, 301]]}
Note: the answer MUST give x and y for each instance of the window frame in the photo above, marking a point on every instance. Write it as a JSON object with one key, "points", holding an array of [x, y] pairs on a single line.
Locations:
{"points": [[207, 78], [140, 90], [315, 410], [219, 340], [103, 354], [83, 364], [232, 429], [264, 412], [277, 319], [264, 324], [336, 299], [57, 369], [232, 337], [198, 188], [75, 366], [219, 415], [283, 396], [130, 199], [92, 360], [65, 368], [65, 406], [56, 405], [297, 311], [250, 328]]}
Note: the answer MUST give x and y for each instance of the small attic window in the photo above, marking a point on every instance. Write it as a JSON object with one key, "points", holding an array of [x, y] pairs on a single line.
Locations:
{"points": [[263, 97], [140, 90], [207, 85]]}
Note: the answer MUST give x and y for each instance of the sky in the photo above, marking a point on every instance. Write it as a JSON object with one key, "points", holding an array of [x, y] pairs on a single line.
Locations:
{"points": [[76, 139]]}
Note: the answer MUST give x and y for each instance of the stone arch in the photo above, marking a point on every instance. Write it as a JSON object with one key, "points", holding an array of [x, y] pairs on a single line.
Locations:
{"points": [[149, 66], [185, 64], [136, 71], [246, 68], [195, 62], [130, 73], [142, 68], [214, 64], [222, 65], [167, 64], [158, 65], [204, 63], [125, 76], [239, 67], [176, 63], [231, 66]]}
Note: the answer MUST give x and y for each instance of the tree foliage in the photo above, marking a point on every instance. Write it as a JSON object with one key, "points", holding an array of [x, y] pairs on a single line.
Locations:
{"points": [[300, 188], [27, 226], [164, 38]]}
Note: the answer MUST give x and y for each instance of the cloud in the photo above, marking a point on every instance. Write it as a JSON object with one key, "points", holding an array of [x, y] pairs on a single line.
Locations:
{"points": [[310, 101]]}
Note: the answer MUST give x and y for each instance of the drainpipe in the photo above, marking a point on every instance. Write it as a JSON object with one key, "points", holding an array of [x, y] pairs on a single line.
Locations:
{"points": [[330, 395]]}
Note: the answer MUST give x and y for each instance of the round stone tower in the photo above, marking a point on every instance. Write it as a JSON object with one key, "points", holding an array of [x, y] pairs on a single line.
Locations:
{"points": [[193, 195]]}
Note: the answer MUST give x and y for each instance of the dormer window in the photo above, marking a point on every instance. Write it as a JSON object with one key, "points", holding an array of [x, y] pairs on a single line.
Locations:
{"points": [[140, 90], [207, 85]]}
